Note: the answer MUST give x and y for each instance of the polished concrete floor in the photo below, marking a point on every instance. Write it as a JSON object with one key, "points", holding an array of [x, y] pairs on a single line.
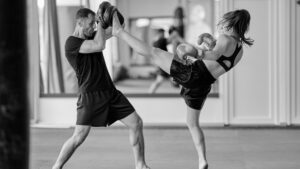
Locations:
{"points": [[171, 148]]}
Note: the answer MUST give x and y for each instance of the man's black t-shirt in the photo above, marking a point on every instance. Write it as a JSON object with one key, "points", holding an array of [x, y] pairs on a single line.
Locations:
{"points": [[90, 68]]}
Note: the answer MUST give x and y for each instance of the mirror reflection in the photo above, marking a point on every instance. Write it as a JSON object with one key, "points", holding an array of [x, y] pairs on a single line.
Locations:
{"points": [[132, 73], [142, 76]]}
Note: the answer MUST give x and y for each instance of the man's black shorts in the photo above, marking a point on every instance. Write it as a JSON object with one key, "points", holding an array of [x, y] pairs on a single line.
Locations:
{"points": [[102, 108]]}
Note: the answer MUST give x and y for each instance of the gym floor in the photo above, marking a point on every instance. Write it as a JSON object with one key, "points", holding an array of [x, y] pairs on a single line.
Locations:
{"points": [[172, 148]]}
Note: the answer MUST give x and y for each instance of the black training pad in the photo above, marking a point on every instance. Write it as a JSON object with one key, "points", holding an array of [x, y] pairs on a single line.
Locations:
{"points": [[105, 14]]}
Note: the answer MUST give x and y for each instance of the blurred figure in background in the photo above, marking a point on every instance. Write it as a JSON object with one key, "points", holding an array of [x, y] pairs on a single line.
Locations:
{"points": [[160, 42]]}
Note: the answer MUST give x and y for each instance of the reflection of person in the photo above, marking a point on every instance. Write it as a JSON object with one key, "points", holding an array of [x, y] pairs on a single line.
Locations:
{"points": [[174, 38], [197, 24], [201, 73], [161, 42], [99, 102]]}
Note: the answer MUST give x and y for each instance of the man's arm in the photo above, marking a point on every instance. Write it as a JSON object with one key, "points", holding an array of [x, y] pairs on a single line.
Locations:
{"points": [[95, 45]]}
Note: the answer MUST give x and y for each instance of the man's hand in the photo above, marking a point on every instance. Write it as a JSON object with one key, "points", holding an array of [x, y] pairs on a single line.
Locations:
{"points": [[116, 27]]}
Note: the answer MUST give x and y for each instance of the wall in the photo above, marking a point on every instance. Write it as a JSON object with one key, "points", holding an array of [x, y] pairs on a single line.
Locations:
{"points": [[33, 52], [295, 63], [251, 80], [261, 89]]}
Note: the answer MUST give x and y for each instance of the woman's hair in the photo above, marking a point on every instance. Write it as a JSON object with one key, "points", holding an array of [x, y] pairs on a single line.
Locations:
{"points": [[239, 20]]}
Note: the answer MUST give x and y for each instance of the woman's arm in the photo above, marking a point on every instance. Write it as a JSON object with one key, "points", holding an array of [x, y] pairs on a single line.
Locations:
{"points": [[221, 47]]}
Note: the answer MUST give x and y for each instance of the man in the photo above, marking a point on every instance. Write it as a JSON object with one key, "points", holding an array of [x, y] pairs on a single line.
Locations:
{"points": [[99, 102]]}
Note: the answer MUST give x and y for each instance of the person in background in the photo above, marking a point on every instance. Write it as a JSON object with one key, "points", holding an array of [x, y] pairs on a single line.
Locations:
{"points": [[160, 42]]}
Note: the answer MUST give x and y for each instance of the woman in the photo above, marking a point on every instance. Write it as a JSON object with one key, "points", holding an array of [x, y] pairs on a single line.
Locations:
{"points": [[197, 77]]}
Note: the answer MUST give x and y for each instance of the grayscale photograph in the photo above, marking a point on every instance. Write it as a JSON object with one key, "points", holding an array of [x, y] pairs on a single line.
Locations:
{"points": [[150, 84]]}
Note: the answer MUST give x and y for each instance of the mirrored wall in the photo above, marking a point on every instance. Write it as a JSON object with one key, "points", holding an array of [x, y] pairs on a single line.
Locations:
{"points": [[133, 74]]}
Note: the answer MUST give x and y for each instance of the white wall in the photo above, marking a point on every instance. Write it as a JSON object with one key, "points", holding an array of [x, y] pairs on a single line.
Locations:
{"points": [[252, 78], [295, 61], [33, 53], [259, 88]]}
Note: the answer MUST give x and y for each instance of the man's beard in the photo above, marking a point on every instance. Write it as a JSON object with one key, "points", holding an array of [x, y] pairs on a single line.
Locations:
{"points": [[88, 35]]}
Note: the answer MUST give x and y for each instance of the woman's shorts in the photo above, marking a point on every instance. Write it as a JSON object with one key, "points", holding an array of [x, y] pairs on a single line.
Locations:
{"points": [[162, 73], [195, 98], [191, 76], [196, 81], [102, 108]]}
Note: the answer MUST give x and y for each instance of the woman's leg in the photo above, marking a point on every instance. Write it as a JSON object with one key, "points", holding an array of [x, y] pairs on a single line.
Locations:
{"points": [[162, 59], [197, 135]]}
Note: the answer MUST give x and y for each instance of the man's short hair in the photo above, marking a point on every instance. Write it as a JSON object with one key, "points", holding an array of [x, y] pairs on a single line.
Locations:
{"points": [[84, 13]]}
